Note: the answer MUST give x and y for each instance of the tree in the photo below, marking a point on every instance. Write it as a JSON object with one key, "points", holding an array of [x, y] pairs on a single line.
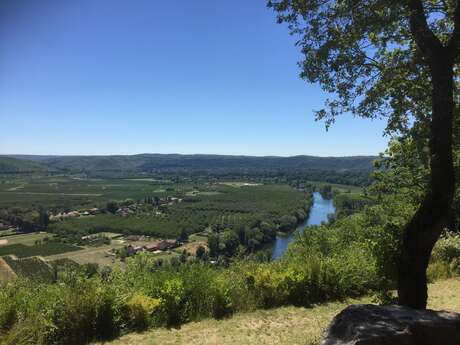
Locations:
{"points": [[90, 269], [230, 241], [287, 223], [183, 257], [43, 219], [213, 245], [122, 253], [183, 237], [326, 191], [399, 60], [200, 252], [112, 206]]}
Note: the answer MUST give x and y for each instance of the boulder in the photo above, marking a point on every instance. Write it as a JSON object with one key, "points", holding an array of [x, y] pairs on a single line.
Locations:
{"points": [[367, 324]]}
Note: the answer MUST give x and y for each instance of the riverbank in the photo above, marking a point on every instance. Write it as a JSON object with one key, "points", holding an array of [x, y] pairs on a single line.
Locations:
{"points": [[281, 326], [318, 213]]}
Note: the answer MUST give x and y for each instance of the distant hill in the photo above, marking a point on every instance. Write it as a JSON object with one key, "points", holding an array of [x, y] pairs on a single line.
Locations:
{"points": [[147, 163], [13, 165]]}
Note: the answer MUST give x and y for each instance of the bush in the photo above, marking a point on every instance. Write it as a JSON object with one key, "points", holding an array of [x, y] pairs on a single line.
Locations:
{"points": [[222, 304], [8, 313], [445, 259], [32, 331], [447, 248], [172, 302], [455, 266], [438, 270], [141, 309]]}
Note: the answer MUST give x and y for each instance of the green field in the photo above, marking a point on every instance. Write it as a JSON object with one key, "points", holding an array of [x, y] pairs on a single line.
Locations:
{"points": [[45, 249], [26, 245], [8, 232], [74, 193], [340, 188], [98, 255], [26, 239]]}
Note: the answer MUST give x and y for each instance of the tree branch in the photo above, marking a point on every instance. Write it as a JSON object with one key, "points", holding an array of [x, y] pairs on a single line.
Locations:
{"points": [[454, 42], [425, 39]]}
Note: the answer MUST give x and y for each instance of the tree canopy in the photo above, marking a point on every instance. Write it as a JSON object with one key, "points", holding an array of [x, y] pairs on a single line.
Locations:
{"points": [[364, 54]]}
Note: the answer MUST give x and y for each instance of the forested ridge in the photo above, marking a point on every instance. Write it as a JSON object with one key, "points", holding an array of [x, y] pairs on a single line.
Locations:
{"points": [[147, 163]]}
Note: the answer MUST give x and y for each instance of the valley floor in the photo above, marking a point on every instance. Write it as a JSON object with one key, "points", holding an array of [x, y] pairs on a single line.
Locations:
{"points": [[281, 326]]}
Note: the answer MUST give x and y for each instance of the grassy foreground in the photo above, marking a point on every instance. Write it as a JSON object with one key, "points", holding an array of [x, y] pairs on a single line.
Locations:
{"points": [[283, 326]]}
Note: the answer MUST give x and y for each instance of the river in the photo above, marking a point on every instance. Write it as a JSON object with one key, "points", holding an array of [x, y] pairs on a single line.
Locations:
{"points": [[318, 214]]}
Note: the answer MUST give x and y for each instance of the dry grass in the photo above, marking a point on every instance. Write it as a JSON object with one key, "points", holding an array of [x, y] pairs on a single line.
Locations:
{"points": [[96, 255], [282, 326], [445, 295]]}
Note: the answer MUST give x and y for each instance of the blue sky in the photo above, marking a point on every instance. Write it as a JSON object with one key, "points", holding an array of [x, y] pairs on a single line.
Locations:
{"points": [[176, 76]]}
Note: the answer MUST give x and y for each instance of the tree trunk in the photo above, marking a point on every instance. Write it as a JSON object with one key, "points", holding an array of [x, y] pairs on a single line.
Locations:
{"points": [[424, 229]]}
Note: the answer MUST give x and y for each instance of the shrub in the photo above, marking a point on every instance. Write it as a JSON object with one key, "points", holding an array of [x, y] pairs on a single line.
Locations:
{"points": [[172, 302], [222, 304], [141, 309], [438, 270], [455, 266], [8, 313], [31, 331], [447, 248]]}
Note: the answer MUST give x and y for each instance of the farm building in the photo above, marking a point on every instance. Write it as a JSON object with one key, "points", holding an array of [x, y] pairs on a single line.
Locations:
{"points": [[151, 247], [89, 237], [161, 245]]}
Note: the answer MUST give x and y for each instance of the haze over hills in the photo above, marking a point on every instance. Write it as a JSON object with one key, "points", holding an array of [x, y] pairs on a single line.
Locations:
{"points": [[145, 163]]}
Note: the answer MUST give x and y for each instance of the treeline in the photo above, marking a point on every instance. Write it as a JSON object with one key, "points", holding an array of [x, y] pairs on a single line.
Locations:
{"points": [[341, 170], [25, 219], [148, 163]]}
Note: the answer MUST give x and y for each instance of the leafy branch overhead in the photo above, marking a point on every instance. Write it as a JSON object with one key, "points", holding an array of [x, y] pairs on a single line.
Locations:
{"points": [[363, 52]]}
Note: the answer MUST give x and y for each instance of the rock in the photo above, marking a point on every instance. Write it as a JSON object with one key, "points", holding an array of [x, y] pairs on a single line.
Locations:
{"points": [[367, 324]]}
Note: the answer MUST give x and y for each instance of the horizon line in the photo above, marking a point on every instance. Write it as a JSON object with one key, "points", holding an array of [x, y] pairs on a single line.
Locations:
{"points": [[12, 155]]}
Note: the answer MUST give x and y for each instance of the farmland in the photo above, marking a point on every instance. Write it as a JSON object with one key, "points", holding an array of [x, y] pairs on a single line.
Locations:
{"points": [[98, 255], [71, 192], [30, 245], [157, 207], [26, 239], [44, 249], [27, 245], [219, 205]]}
